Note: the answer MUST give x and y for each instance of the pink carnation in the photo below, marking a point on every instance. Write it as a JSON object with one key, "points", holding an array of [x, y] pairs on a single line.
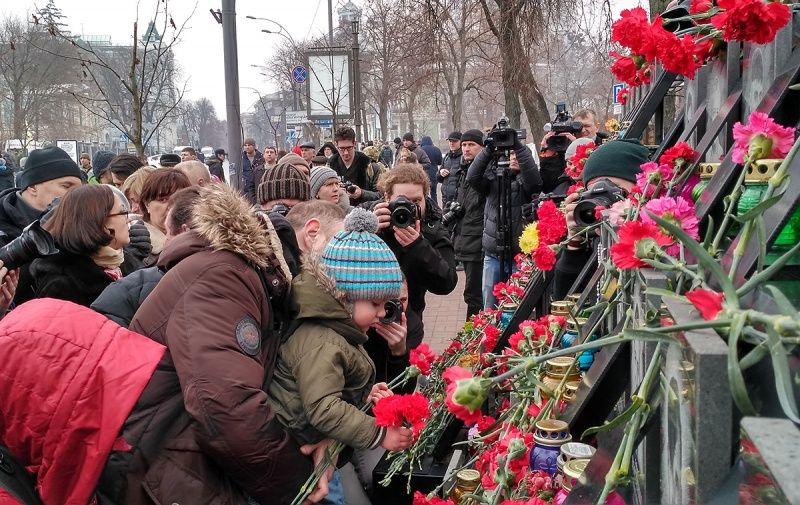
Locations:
{"points": [[676, 210], [653, 176], [761, 138], [619, 212]]}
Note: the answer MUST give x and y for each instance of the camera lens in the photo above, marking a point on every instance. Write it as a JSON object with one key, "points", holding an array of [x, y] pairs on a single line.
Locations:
{"points": [[393, 312], [585, 212], [351, 189], [402, 218]]}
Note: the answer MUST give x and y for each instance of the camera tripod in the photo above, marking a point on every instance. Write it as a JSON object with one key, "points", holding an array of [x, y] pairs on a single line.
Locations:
{"points": [[505, 248]]}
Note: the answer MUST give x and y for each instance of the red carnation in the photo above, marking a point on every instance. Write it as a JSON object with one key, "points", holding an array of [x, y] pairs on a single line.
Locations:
{"points": [[699, 6], [402, 410], [544, 258], [626, 70], [709, 303], [575, 166], [634, 31], [422, 357], [633, 236], [751, 20], [678, 155], [623, 95], [552, 223], [421, 499], [679, 55], [465, 394], [490, 336]]}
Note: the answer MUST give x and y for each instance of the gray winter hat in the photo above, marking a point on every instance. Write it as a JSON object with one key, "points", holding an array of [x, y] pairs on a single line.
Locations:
{"points": [[319, 176]]}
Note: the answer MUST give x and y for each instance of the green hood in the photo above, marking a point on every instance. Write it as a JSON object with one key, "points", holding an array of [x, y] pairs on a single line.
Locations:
{"points": [[315, 298]]}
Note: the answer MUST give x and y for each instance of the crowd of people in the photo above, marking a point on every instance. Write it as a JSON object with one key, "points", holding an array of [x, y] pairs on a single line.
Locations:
{"points": [[212, 343]]}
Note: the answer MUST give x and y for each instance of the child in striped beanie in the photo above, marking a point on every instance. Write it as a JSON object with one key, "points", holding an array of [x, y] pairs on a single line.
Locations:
{"points": [[323, 374]]}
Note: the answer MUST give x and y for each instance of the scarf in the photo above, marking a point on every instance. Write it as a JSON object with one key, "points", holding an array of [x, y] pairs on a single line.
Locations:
{"points": [[157, 239], [109, 259]]}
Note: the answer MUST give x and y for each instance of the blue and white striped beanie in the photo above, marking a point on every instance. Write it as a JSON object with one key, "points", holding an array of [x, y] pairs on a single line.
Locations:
{"points": [[359, 262]]}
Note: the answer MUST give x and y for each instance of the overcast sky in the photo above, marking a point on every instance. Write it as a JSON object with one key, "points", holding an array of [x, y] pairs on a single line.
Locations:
{"points": [[200, 51]]}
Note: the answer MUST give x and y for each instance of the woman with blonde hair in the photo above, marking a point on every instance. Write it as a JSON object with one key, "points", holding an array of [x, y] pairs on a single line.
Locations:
{"points": [[132, 187]]}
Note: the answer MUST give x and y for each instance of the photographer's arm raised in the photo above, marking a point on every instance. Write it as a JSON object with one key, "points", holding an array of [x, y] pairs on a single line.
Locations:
{"points": [[476, 175]]}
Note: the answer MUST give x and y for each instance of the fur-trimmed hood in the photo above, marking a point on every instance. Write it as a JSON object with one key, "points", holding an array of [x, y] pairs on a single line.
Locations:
{"points": [[225, 221]]}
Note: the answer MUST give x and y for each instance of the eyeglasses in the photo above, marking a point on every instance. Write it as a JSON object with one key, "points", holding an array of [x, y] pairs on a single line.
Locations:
{"points": [[120, 213], [346, 148]]}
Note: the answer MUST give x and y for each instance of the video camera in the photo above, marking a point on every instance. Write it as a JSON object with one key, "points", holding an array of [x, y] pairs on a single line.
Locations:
{"points": [[503, 136], [404, 212], [562, 123], [604, 193]]}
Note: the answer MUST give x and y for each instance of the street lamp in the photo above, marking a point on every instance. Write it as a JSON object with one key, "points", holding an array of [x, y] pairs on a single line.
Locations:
{"points": [[354, 25]]}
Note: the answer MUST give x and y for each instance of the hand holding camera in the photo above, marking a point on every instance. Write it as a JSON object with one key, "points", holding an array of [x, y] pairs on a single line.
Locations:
{"points": [[393, 327], [402, 215]]}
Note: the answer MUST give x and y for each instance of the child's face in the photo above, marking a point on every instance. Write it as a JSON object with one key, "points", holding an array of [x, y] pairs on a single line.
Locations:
{"points": [[368, 312]]}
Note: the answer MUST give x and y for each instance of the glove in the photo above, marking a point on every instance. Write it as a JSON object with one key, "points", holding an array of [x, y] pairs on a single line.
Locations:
{"points": [[140, 244]]}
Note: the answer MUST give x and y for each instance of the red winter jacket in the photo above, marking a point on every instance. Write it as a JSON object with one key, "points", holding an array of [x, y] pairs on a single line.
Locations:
{"points": [[69, 379]]}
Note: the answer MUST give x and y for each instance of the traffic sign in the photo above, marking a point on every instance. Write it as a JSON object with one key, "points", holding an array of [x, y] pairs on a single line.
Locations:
{"points": [[615, 91], [299, 74], [123, 139], [324, 123]]}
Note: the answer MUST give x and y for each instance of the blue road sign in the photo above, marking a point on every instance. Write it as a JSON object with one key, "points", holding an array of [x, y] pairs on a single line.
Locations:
{"points": [[123, 139], [325, 123], [299, 74], [615, 90]]}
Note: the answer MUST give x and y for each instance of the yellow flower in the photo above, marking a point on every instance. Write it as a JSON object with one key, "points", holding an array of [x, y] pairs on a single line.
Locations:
{"points": [[529, 240]]}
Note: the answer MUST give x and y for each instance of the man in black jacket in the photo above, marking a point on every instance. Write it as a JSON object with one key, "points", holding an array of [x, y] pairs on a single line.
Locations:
{"points": [[617, 161], [448, 173], [469, 227], [525, 183], [352, 166], [49, 173], [423, 250]]}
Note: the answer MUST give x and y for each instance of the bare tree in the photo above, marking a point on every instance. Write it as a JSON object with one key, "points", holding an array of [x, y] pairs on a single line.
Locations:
{"points": [[131, 87], [35, 83]]}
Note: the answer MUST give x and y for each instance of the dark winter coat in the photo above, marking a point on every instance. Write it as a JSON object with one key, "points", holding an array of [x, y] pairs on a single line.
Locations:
{"points": [[387, 156], [433, 152], [72, 277], [428, 264], [452, 163], [356, 174], [524, 186], [551, 169], [6, 177], [251, 174], [215, 167], [15, 215], [469, 229], [120, 300], [323, 375], [202, 430]]}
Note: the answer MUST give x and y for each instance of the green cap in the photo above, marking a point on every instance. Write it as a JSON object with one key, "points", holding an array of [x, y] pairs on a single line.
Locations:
{"points": [[618, 158]]}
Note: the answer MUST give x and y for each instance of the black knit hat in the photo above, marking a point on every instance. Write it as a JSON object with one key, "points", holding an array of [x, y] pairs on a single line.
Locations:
{"points": [[618, 158], [456, 135], [169, 160], [45, 165], [100, 162], [283, 182], [409, 136], [472, 136]]}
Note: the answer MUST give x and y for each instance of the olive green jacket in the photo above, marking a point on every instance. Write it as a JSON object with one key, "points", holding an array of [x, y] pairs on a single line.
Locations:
{"points": [[324, 375]]}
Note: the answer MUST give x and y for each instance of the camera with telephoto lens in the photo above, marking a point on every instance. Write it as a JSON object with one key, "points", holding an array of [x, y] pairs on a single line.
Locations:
{"points": [[504, 137], [404, 212], [452, 211], [562, 123], [603, 193], [34, 242], [394, 312], [280, 208]]}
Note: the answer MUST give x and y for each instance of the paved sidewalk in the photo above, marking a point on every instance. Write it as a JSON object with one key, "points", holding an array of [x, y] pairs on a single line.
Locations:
{"points": [[444, 316]]}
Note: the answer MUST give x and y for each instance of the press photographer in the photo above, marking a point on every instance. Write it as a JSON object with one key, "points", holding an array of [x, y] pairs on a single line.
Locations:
{"points": [[410, 223], [561, 132], [353, 167], [609, 173], [506, 173]]}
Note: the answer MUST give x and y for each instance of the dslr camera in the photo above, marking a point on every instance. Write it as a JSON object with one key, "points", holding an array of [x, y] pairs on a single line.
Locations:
{"points": [[603, 193], [349, 187], [404, 212], [503, 136], [452, 211], [562, 123], [280, 208], [394, 312], [34, 242]]}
